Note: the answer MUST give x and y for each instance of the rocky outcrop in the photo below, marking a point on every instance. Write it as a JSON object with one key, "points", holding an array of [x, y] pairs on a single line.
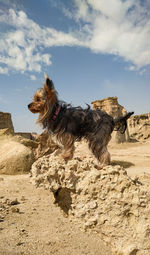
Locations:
{"points": [[6, 121], [113, 108], [17, 153], [107, 201], [20, 150], [15, 158], [45, 145], [26, 135], [110, 105], [139, 127]]}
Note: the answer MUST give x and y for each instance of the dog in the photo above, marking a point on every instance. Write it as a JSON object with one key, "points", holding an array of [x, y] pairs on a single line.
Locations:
{"points": [[67, 124]]}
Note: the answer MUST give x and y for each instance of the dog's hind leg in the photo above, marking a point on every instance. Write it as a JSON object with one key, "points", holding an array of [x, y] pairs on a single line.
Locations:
{"points": [[99, 149], [104, 157]]}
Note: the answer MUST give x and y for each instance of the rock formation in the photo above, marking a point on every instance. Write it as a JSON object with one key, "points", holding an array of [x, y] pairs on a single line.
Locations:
{"points": [[26, 135], [20, 150], [45, 145], [113, 108], [19, 153], [6, 121], [16, 153], [139, 127], [106, 201]]}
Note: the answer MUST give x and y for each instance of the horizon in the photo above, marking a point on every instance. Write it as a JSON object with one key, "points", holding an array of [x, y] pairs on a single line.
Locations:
{"points": [[89, 51]]}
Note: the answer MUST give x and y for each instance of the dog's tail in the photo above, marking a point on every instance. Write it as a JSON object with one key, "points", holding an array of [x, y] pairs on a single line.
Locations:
{"points": [[121, 122]]}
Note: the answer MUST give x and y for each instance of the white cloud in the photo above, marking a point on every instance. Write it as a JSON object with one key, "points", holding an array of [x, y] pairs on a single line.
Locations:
{"points": [[22, 49], [19, 50], [117, 27], [32, 77], [132, 68], [3, 70]]}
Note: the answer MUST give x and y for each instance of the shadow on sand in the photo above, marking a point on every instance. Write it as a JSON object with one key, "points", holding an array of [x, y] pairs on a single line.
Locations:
{"points": [[124, 164]]}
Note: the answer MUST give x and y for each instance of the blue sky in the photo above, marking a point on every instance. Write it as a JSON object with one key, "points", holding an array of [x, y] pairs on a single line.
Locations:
{"points": [[91, 49]]}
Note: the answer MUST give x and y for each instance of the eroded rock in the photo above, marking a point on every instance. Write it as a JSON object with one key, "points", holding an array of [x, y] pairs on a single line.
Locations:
{"points": [[6, 121], [113, 108], [45, 145], [107, 201], [139, 127]]}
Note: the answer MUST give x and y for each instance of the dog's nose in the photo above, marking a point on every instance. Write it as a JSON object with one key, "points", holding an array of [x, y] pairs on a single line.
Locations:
{"points": [[29, 105]]}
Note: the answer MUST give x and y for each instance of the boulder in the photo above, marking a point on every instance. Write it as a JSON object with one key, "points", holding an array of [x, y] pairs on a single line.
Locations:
{"points": [[106, 201], [19, 153], [16, 153], [20, 150], [113, 108], [15, 157]]}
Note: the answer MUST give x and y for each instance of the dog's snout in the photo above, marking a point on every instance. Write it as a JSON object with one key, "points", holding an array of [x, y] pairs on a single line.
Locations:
{"points": [[29, 105]]}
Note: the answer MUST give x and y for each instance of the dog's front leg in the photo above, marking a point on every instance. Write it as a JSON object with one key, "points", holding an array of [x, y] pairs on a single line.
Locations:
{"points": [[68, 152]]}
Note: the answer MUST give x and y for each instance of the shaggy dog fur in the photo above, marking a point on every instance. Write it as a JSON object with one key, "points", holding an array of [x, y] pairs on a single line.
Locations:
{"points": [[67, 124]]}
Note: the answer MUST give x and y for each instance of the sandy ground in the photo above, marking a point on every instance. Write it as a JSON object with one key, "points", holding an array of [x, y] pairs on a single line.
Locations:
{"points": [[36, 226], [135, 157], [30, 223]]}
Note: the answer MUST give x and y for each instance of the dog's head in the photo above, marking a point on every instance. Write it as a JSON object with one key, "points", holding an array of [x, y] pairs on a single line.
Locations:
{"points": [[44, 99]]}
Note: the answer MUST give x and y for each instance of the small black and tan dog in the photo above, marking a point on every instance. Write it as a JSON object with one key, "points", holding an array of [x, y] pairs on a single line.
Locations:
{"points": [[66, 124]]}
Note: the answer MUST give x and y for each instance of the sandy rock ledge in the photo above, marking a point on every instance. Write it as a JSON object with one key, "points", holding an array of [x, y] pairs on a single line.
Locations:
{"points": [[106, 201]]}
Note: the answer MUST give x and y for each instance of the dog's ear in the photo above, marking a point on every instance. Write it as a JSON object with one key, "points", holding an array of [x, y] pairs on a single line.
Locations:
{"points": [[50, 90], [48, 85]]}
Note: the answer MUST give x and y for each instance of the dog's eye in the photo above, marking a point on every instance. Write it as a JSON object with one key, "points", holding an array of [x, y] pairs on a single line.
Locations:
{"points": [[38, 99]]}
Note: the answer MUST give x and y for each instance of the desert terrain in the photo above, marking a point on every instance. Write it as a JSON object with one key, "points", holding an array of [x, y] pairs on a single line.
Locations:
{"points": [[31, 223]]}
